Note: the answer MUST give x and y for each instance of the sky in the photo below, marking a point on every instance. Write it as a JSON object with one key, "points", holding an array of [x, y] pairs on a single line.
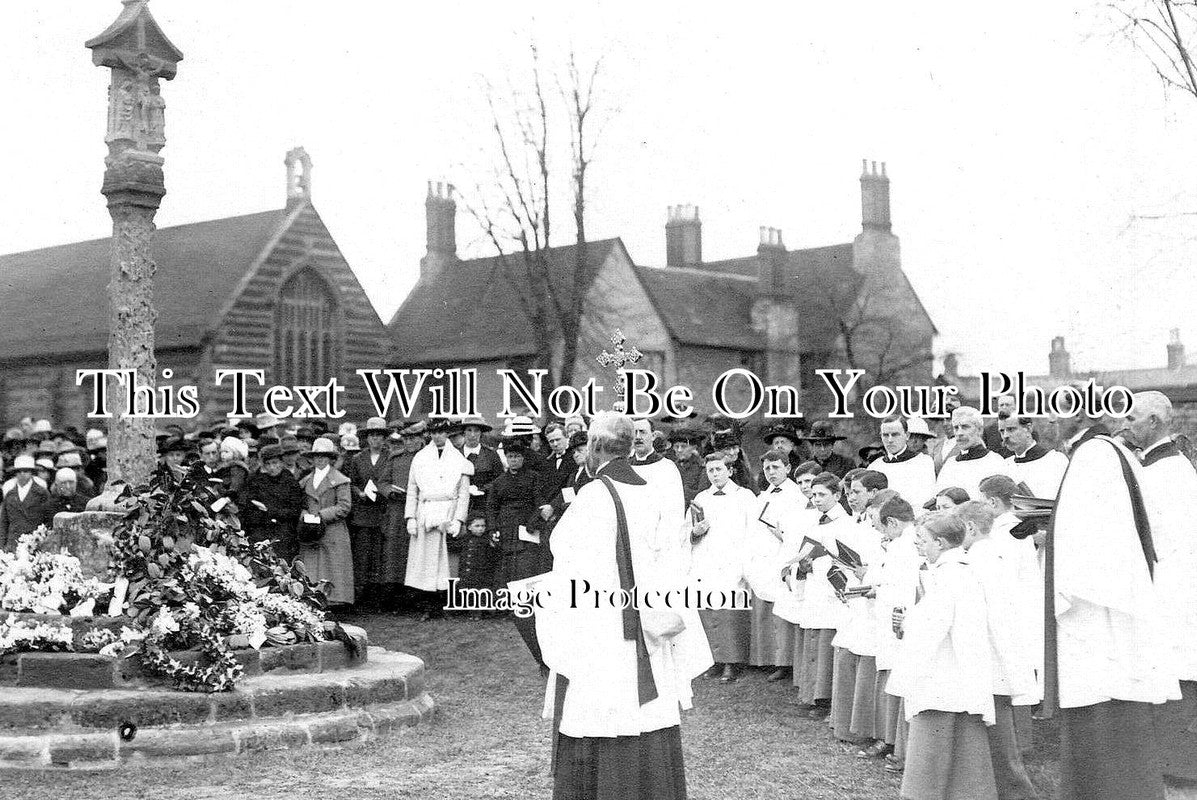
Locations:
{"points": [[1040, 186]]}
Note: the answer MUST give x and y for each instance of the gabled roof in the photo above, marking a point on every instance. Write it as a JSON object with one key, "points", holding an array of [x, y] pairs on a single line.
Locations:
{"points": [[55, 300], [712, 305], [471, 310]]}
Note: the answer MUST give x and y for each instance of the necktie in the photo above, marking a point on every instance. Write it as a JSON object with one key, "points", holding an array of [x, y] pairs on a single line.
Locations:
{"points": [[824, 519], [775, 489], [720, 493]]}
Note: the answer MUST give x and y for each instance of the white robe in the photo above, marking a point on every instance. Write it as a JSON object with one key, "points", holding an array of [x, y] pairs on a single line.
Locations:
{"points": [[969, 473], [1013, 668], [1170, 494], [662, 474], [897, 581], [1110, 636], [586, 644], [1041, 475], [717, 559], [1024, 559], [437, 492], [858, 634], [913, 479], [765, 552]]}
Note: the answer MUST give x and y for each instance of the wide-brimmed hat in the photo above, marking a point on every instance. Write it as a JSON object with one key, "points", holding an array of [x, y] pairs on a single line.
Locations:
{"points": [[773, 431], [476, 421], [266, 421], [71, 459], [286, 447], [823, 431], [324, 446], [99, 444], [687, 433], [375, 425], [350, 443], [917, 426], [14, 435], [442, 425], [269, 452], [24, 463], [519, 426], [515, 447], [579, 439], [45, 463], [417, 428], [724, 439], [169, 446]]}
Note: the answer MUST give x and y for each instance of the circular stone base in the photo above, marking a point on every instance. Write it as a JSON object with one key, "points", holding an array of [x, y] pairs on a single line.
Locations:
{"points": [[80, 729]]}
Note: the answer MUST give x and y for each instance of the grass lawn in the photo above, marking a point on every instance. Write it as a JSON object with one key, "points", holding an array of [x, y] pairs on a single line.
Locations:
{"points": [[742, 741]]}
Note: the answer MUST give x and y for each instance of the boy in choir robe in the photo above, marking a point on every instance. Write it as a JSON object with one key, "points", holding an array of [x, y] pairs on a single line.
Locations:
{"points": [[1170, 494], [1038, 467], [777, 509], [972, 461], [895, 583], [1108, 656], [943, 673], [821, 612], [1016, 541], [853, 639], [911, 473], [719, 521], [788, 608], [1012, 666]]}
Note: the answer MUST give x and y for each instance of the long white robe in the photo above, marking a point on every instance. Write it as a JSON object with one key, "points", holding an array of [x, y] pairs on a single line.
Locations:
{"points": [[1110, 636], [1011, 662], [1041, 474], [717, 559], [437, 492], [1024, 560], [897, 582], [1170, 493], [912, 478], [968, 473], [586, 645]]}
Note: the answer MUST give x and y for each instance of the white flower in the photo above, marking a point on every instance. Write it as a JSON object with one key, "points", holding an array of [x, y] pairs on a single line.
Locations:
{"points": [[163, 623]]}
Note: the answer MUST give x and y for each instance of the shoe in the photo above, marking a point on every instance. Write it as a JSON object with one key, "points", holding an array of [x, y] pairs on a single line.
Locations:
{"points": [[875, 750], [730, 674], [779, 674], [894, 768], [818, 712], [713, 672]]}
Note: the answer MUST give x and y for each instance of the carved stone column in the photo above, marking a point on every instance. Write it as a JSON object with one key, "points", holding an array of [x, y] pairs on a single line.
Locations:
{"points": [[139, 54]]}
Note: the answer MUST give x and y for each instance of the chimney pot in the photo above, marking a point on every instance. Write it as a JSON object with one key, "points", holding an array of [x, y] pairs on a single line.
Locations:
{"points": [[1058, 360], [440, 212], [874, 199], [683, 236]]}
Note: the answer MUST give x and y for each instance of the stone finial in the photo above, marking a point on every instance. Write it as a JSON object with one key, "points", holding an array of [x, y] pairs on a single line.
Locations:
{"points": [[299, 177]]}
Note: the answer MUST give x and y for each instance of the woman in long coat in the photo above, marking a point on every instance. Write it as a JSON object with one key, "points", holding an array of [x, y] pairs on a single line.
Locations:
{"points": [[326, 493]]}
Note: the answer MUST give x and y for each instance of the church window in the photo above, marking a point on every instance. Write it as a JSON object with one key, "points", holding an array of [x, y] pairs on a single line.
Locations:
{"points": [[307, 332]]}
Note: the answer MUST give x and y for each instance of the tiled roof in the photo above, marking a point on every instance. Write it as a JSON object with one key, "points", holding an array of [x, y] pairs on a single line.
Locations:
{"points": [[55, 300], [471, 312]]}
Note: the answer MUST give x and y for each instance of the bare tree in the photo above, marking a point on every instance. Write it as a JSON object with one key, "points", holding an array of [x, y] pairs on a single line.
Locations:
{"points": [[1162, 30], [513, 205]]}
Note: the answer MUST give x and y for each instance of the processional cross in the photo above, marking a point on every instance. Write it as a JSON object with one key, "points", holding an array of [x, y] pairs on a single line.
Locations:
{"points": [[619, 359]]}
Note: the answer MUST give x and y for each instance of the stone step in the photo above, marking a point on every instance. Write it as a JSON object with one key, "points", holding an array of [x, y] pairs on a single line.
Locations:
{"points": [[90, 751], [387, 677]]}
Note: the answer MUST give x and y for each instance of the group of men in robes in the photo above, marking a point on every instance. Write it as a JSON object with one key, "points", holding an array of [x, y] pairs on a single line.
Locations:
{"points": [[924, 639]]}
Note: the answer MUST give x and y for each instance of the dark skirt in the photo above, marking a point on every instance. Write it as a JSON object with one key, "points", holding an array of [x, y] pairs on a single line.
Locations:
{"points": [[947, 758], [843, 693], [1176, 726], [817, 665], [644, 767], [1109, 751], [771, 643], [395, 539], [887, 711], [865, 722], [1009, 773], [729, 633], [366, 543]]}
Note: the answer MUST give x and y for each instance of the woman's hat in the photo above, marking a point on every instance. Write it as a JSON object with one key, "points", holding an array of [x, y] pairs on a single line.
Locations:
{"points": [[350, 444], [442, 425], [24, 463], [417, 428], [519, 426], [270, 452], [773, 431], [375, 425], [917, 426], [476, 421], [323, 446], [579, 439], [823, 431], [688, 433]]}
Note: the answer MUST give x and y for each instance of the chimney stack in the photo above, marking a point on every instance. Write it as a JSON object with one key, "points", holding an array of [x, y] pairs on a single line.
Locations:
{"points": [[683, 237], [440, 210], [1059, 363], [874, 197], [299, 177], [771, 263], [1176, 351]]}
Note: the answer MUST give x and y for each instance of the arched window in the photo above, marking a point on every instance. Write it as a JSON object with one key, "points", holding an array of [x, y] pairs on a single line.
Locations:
{"points": [[307, 343]]}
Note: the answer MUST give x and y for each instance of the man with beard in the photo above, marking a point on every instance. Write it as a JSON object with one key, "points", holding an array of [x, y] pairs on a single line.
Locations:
{"points": [[1170, 493], [973, 461], [274, 502]]}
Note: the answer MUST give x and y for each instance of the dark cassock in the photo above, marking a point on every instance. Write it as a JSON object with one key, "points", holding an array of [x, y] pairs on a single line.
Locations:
{"points": [[1170, 492], [272, 508], [1108, 660], [513, 513], [395, 538], [620, 677]]}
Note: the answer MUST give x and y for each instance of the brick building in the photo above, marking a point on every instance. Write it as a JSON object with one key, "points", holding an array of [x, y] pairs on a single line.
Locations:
{"points": [[779, 312], [266, 291]]}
